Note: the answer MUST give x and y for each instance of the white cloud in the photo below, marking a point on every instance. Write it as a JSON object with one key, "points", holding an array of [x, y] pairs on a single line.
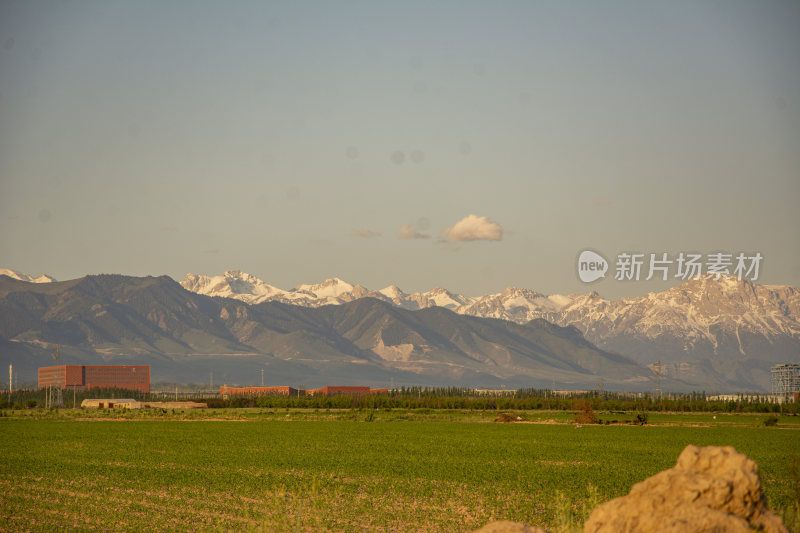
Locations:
{"points": [[407, 231], [475, 228]]}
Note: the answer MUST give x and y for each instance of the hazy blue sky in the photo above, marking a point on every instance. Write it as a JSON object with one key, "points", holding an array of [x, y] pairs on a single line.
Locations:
{"points": [[294, 140]]}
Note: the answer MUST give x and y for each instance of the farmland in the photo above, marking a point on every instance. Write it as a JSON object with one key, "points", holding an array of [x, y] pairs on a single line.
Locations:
{"points": [[346, 470]]}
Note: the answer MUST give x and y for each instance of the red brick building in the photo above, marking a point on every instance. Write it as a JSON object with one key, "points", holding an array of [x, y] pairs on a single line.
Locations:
{"points": [[82, 377], [252, 392], [330, 391]]}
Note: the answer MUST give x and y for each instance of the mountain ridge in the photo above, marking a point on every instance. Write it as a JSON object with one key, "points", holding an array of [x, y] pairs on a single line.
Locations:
{"points": [[121, 319], [703, 330]]}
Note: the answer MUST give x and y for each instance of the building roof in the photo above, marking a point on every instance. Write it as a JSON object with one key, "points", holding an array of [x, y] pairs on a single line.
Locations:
{"points": [[116, 400]]}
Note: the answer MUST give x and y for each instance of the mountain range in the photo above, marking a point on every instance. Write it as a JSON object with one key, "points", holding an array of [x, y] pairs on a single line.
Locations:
{"points": [[714, 334], [185, 336], [706, 331]]}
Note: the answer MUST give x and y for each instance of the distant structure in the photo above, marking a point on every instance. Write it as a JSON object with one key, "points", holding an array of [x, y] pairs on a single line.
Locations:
{"points": [[494, 392], [785, 380], [82, 377], [130, 403], [353, 391], [658, 370], [253, 392]]}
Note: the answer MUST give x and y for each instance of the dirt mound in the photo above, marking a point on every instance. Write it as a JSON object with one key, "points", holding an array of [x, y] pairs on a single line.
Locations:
{"points": [[709, 489]]}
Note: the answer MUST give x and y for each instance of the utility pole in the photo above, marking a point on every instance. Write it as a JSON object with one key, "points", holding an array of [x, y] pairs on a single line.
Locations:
{"points": [[262, 377], [212, 381]]}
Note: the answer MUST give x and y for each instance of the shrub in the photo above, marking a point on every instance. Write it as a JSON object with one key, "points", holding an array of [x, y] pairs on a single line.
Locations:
{"points": [[586, 414], [771, 421]]}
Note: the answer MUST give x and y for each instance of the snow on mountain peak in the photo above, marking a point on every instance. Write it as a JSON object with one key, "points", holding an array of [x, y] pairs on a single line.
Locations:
{"points": [[702, 312], [441, 297], [232, 284], [392, 291], [330, 288], [21, 276]]}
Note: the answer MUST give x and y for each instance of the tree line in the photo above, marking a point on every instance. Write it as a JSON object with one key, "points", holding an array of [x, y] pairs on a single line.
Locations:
{"points": [[446, 398]]}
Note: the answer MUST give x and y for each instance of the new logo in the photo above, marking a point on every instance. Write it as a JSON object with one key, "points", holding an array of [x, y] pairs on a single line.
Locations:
{"points": [[591, 266]]}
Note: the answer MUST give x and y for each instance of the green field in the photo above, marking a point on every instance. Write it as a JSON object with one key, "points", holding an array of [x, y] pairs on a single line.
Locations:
{"points": [[318, 470]]}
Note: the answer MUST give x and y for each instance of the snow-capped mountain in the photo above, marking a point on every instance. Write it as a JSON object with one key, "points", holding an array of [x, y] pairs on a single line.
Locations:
{"points": [[232, 284], [440, 297], [14, 274], [333, 291], [250, 289], [698, 319], [182, 334], [517, 305], [692, 328], [436, 297], [703, 332], [698, 311]]}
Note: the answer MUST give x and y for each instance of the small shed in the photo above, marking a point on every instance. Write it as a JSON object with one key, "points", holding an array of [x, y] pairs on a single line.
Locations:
{"points": [[111, 403]]}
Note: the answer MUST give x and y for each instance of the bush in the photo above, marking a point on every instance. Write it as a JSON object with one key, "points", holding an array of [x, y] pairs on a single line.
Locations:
{"points": [[771, 421], [641, 418], [586, 414]]}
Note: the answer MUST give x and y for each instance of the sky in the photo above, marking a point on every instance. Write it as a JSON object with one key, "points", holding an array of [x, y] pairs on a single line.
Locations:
{"points": [[467, 145]]}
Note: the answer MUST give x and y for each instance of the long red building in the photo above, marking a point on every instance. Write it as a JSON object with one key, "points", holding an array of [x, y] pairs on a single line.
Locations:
{"points": [[226, 391], [82, 377]]}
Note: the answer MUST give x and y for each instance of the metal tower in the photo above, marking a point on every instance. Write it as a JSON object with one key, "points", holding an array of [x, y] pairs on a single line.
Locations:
{"points": [[785, 381], [658, 369]]}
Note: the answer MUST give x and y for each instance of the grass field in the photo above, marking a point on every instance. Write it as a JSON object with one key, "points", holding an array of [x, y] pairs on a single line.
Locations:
{"points": [[317, 470]]}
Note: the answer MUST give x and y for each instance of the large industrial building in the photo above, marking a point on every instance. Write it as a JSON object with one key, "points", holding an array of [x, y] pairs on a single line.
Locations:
{"points": [[81, 377]]}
